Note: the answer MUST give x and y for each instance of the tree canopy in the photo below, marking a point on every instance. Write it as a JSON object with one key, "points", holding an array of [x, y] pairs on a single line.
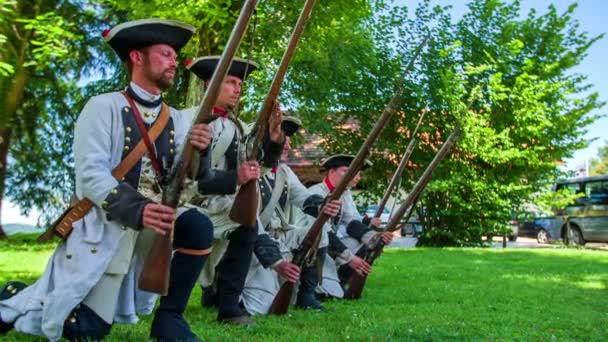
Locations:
{"points": [[506, 79]]}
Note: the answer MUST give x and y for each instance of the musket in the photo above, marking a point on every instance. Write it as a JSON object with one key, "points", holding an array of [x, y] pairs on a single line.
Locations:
{"points": [[400, 168], [355, 285], [280, 303], [155, 274], [245, 206]]}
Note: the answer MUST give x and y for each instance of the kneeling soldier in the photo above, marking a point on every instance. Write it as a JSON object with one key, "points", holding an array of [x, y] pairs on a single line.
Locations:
{"points": [[281, 189], [90, 280]]}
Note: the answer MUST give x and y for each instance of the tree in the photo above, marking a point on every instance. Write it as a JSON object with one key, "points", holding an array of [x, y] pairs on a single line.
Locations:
{"points": [[40, 159], [599, 165], [505, 80], [42, 45]]}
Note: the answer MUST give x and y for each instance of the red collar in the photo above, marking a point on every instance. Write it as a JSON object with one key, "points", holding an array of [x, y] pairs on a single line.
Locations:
{"points": [[329, 185], [222, 113]]}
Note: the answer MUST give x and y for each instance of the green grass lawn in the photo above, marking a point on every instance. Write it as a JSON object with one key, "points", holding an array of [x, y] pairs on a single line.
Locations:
{"points": [[416, 294]]}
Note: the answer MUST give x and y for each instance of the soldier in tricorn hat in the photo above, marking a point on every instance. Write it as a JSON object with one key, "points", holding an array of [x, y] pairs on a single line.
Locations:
{"points": [[224, 275], [348, 225], [90, 280]]}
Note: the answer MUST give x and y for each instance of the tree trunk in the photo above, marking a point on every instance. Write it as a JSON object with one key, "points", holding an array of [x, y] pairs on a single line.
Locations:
{"points": [[5, 137]]}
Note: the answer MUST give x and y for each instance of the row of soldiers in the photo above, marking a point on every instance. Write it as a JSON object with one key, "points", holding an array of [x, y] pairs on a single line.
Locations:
{"points": [[125, 143]]}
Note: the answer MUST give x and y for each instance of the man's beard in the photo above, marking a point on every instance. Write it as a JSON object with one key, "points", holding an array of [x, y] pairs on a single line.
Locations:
{"points": [[163, 82], [160, 80]]}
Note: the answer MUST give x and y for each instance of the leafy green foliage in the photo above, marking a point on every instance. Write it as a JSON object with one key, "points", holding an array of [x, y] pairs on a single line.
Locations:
{"points": [[599, 165], [507, 82]]}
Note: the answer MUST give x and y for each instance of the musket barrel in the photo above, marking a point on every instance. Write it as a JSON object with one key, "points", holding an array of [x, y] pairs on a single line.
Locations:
{"points": [[244, 208], [155, 273], [423, 180]]}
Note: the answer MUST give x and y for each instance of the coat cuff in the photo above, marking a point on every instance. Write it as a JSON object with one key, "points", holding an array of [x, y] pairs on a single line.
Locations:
{"points": [[344, 257], [272, 152], [217, 182], [357, 230], [366, 220], [267, 251], [313, 204], [335, 247], [126, 206]]}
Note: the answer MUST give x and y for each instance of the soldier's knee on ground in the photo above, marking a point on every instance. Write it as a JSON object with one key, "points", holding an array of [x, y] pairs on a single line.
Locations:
{"points": [[193, 230], [83, 324]]}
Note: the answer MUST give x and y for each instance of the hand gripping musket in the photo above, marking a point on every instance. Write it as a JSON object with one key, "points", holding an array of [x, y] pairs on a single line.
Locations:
{"points": [[280, 304], [245, 206], [399, 172], [356, 283], [155, 274]]}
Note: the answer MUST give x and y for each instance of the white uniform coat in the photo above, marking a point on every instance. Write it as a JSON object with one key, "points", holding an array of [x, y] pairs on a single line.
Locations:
{"points": [[96, 245], [262, 284]]}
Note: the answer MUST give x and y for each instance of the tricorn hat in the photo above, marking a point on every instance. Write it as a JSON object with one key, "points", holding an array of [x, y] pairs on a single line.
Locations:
{"points": [[138, 34], [339, 160], [203, 67], [290, 125]]}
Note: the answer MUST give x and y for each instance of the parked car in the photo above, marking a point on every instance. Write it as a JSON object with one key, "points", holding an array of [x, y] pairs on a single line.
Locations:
{"points": [[371, 210], [540, 227], [411, 227], [588, 214]]}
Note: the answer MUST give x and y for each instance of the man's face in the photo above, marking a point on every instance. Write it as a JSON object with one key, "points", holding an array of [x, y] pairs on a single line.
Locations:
{"points": [[159, 65], [353, 183], [286, 149], [230, 92], [336, 174]]}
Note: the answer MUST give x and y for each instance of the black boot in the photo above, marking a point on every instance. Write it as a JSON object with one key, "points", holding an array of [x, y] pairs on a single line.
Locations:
{"points": [[209, 298], [306, 298], [232, 271], [193, 231], [9, 290], [169, 323]]}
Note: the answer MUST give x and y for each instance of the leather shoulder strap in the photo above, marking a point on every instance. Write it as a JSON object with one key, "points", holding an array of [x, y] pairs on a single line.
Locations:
{"points": [[62, 227]]}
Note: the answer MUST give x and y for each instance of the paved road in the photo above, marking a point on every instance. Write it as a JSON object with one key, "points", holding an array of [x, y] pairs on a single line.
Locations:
{"points": [[522, 242]]}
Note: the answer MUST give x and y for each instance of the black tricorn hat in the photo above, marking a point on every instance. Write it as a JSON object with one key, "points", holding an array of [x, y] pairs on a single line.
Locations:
{"points": [[339, 160], [138, 34], [290, 125], [203, 67]]}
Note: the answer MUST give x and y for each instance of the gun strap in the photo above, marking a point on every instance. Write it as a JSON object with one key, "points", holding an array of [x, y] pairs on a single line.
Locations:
{"points": [[145, 136], [277, 191], [62, 227]]}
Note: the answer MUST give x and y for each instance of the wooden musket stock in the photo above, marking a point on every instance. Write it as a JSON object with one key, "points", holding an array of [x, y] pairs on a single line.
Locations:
{"points": [[245, 206], [155, 274], [356, 283]]}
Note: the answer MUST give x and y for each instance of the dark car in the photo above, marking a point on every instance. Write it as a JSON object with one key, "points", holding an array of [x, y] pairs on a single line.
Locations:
{"points": [[540, 228]]}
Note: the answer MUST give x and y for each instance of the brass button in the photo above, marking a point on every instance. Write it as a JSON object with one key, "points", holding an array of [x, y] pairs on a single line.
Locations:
{"points": [[128, 139], [126, 148], [170, 141], [126, 109], [72, 319], [171, 151], [172, 132], [13, 291], [128, 129], [93, 250], [68, 256], [104, 205], [114, 191], [124, 227], [10, 287]]}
